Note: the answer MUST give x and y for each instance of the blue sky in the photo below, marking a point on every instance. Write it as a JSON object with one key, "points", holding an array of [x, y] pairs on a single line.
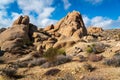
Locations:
{"points": [[100, 13]]}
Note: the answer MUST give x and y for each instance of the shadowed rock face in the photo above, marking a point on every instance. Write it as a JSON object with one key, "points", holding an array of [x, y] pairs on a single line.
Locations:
{"points": [[2, 29]]}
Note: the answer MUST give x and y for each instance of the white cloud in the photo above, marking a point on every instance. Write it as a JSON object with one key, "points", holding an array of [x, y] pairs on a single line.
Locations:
{"points": [[94, 1], [103, 22], [3, 21], [66, 4], [4, 3], [46, 21], [42, 8]]}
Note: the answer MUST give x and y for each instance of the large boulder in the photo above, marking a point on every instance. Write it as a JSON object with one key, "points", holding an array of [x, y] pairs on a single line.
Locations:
{"points": [[25, 20], [22, 20], [13, 38], [10, 35], [12, 46], [64, 44]]}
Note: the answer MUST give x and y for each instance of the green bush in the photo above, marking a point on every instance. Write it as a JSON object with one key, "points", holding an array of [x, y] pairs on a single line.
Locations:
{"points": [[52, 53], [89, 50]]}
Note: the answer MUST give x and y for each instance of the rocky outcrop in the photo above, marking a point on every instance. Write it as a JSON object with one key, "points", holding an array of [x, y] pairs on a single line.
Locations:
{"points": [[71, 26], [18, 35], [64, 44], [94, 29], [9, 36], [22, 20]]}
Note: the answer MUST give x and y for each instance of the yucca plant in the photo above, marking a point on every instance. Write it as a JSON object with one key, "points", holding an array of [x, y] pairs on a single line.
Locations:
{"points": [[52, 53]]}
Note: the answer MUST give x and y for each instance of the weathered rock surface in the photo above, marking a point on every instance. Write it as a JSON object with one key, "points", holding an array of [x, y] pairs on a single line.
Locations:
{"points": [[22, 20], [94, 29], [64, 44], [18, 35], [70, 26]]}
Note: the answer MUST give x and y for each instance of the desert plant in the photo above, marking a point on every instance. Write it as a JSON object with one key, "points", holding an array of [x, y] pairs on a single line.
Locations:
{"points": [[89, 50], [95, 48], [10, 72], [92, 78], [114, 61], [52, 53], [67, 76], [95, 58], [52, 72]]}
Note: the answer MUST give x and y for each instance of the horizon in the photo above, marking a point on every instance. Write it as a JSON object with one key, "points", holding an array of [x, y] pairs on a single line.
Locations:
{"points": [[98, 13]]}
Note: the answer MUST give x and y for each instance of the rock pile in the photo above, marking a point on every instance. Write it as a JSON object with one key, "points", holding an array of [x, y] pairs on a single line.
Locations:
{"points": [[68, 30]]}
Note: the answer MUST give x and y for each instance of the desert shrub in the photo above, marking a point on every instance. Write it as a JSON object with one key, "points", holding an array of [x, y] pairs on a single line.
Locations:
{"points": [[87, 67], [92, 78], [52, 53], [114, 61], [89, 50], [52, 72], [67, 76], [59, 60], [37, 62], [95, 48], [10, 72], [62, 59], [95, 58]]}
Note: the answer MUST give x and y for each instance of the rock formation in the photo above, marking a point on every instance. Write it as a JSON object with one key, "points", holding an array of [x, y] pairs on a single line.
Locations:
{"points": [[63, 34], [94, 29], [17, 35], [71, 26]]}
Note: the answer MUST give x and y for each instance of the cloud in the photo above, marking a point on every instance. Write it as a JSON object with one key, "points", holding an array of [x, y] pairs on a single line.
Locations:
{"points": [[4, 3], [3, 21], [94, 1], [42, 9], [67, 4], [103, 22], [39, 11]]}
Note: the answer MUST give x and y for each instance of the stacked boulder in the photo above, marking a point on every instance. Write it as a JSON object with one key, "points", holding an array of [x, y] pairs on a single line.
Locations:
{"points": [[68, 30], [13, 38], [70, 26]]}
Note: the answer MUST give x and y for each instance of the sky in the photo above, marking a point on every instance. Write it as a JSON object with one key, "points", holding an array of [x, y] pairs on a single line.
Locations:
{"points": [[99, 13]]}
